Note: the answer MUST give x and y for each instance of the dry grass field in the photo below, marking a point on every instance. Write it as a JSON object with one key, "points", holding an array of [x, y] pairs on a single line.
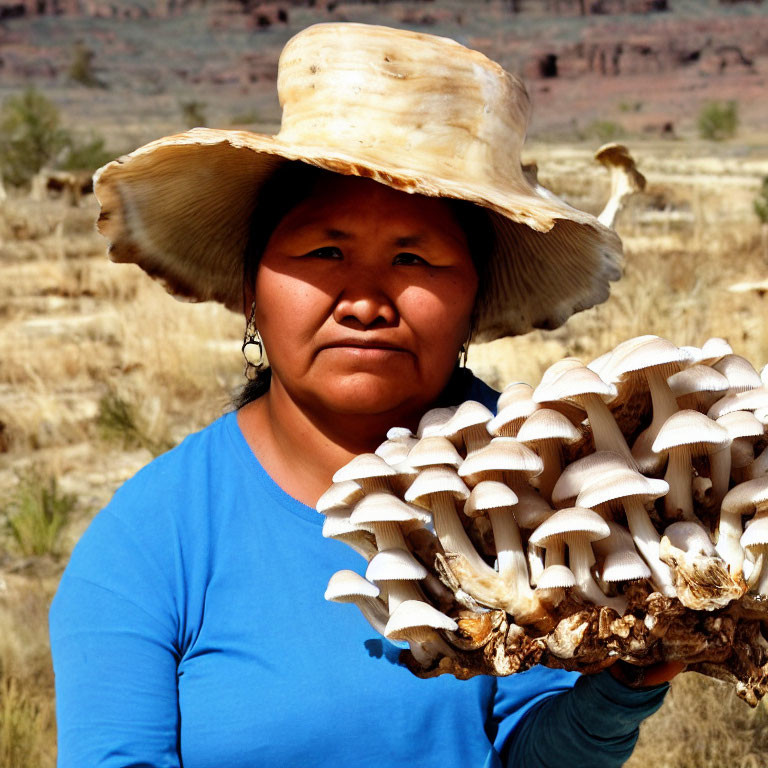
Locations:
{"points": [[100, 370]]}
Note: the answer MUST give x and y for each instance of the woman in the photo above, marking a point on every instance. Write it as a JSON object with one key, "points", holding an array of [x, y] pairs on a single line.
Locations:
{"points": [[189, 627]]}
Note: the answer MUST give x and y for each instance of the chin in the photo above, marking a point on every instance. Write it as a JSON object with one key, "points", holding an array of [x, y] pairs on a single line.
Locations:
{"points": [[367, 395]]}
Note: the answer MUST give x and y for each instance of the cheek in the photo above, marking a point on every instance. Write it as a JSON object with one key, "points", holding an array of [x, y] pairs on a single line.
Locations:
{"points": [[287, 308], [441, 312]]}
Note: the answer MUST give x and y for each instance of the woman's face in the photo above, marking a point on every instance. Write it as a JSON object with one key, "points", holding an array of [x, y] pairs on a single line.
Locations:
{"points": [[364, 296]]}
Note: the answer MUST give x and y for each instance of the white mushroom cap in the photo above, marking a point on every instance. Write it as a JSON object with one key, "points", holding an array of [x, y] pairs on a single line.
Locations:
{"points": [[434, 451], [556, 577], [346, 584], [434, 480], [385, 508], [363, 467], [576, 475], [746, 498], [395, 451], [401, 434], [690, 537], [739, 372], [624, 566], [432, 421], [337, 523], [508, 420], [701, 381], [756, 533], [414, 614], [349, 587], [548, 424], [531, 509], [749, 400], [517, 391], [570, 383], [564, 523], [418, 622], [502, 454], [489, 494], [620, 484], [620, 560], [744, 428], [713, 350], [339, 495], [755, 539], [693, 429], [395, 564], [467, 427], [640, 353]]}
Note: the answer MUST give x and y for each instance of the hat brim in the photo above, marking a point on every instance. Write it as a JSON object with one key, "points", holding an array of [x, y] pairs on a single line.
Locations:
{"points": [[180, 207]]}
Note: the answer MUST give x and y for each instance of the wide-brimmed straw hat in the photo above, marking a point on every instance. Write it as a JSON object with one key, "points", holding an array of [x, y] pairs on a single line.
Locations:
{"points": [[416, 112]]}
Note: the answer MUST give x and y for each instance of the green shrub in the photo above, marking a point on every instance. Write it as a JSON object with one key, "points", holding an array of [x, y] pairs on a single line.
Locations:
{"points": [[31, 135], [85, 155], [761, 202], [36, 513], [718, 120], [118, 423]]}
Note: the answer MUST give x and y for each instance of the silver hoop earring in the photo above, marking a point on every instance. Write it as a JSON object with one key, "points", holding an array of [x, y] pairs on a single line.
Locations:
{"points": [[253, 348]]}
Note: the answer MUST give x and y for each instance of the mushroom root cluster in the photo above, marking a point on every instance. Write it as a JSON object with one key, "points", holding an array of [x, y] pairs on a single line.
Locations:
{"points": [[619, 510]]}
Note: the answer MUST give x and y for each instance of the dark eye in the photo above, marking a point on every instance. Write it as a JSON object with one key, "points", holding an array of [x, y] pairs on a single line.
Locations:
{"points": [[409, 259], [327, 252]]}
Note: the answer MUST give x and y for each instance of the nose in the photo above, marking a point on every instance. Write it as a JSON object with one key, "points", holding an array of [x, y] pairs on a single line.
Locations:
{"points": [[365, 302]]}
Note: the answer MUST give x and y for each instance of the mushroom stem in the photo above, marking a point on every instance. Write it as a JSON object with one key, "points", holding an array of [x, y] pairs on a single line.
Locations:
{"points": [[476, 437], [757, 570], [720, 474], [400, 590], [605, 430], [647, 541], [513, 566], [555, 554], [551, 453], [758, 467], [426, 645], [580, 559], [728, 546], [389, 535], [452, 535], [663, 401], [678, 503]]}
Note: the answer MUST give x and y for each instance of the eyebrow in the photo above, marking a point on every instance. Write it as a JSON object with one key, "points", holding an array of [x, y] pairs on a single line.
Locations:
{"points": [[400, 242], [332, 233]]}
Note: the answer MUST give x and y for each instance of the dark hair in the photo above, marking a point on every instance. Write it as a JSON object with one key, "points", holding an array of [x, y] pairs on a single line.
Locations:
{"points": [[293, 183]]}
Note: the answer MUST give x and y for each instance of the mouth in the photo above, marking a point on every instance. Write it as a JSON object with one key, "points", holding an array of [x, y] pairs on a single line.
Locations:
{"points": [[365, 344]]}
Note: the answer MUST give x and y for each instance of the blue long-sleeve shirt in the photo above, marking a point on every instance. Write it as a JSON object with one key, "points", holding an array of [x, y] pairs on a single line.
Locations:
{"points": [[190, 629]]}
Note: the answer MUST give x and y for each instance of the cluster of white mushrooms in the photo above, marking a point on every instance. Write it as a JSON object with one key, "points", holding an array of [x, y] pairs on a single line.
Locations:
{"points": [[617, 510]]}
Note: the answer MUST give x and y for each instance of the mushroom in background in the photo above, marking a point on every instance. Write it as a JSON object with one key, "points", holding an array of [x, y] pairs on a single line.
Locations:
{"points": [[625, 179]]}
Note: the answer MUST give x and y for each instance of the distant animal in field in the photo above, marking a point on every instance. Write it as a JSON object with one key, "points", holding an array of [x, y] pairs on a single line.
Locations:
{"points": [[72, 185]]}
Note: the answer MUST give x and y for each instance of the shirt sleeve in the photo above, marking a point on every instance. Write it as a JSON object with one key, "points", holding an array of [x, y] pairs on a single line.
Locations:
{"points": [[113, 642], [593, 725]]}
